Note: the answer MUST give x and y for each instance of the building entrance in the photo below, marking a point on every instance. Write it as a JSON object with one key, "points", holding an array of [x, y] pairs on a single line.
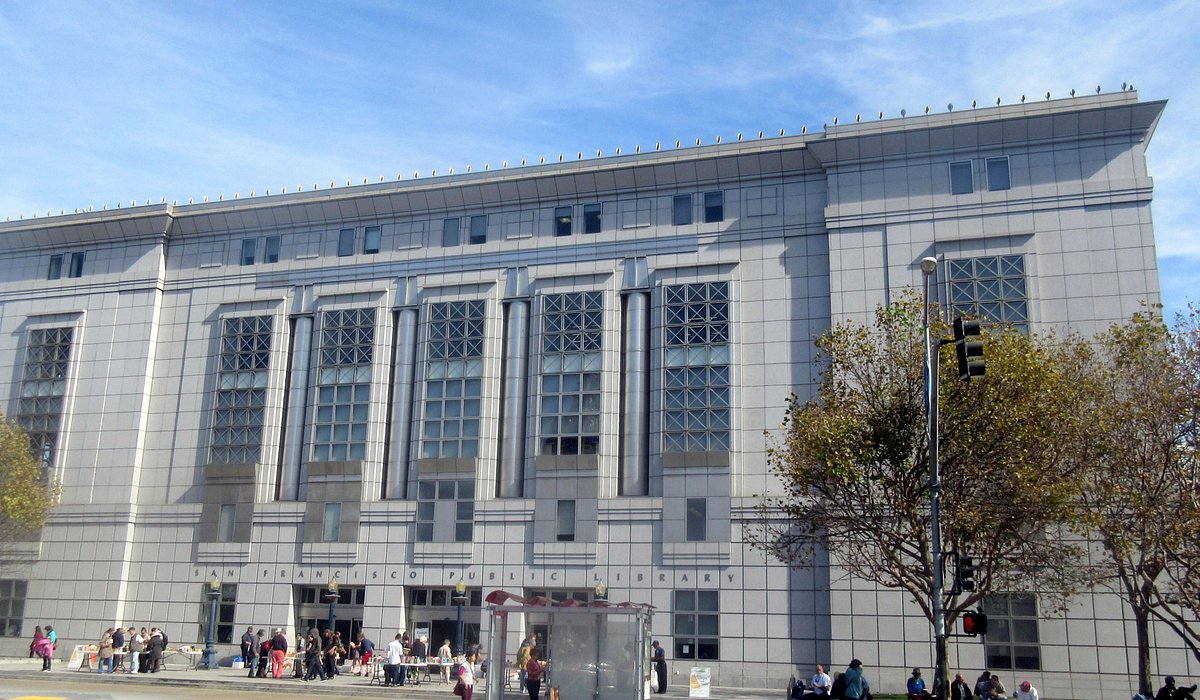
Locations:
{"points": [[312, 609]]}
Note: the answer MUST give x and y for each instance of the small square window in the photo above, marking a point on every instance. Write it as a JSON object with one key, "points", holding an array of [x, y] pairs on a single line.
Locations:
{"points": [[562, 221], [591, 218], [697, 519], [225, 523], [331, 530], [478, 230], [271, 249], [450, 232], [55, 271], [345, 242], [681, 214], [76, 265], [714, 207], [961, 178], [248, 247], [564, 523], [372, 237], [997, 174]]}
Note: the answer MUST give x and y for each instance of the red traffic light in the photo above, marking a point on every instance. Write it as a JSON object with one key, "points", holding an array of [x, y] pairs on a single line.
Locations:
{"points": [[974, 623]]}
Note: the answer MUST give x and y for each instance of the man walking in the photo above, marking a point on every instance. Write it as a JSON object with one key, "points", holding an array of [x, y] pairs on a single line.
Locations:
{"points": [[248, 650]]}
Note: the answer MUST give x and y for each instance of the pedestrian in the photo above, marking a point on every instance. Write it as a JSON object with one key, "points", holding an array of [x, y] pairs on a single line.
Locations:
{"points": [[466, 676], [523, 658], [264, 654], [854, 681], [395, 656], [447, 656], [137, 644], [313, 657], [45, 648], [533, 673], [959, 690], [248, 649], [996, 689], [38, 636], [279, 647], [983, 683], [916, 687], [821, 683], [1026, 691], [104, 652], [118, 640], [156, 646], [659, 656], [367, 649], [354, 654]]}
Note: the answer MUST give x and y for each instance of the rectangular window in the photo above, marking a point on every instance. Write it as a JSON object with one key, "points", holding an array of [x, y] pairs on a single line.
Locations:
{"points": [[461, 492], [696, 368], [331, 525], [55, 271], [450, 232], [714, 207], [271, 249], [591, 218], [991, 288], [564, 521], [12, 606], [697, 625], [697, 519], [343, 385], [961, 178], [681, 213], [76, 265], [372, 239], [562, 221], [453, 380], [242, 376], [997, 174], [569, 401], [225, 522], [226, 607], [1012, 640], [248, 247], [479, 230], [44, 389], [345, 242]]}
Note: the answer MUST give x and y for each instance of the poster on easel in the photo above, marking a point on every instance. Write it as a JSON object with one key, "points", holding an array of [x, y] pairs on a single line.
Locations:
{"points": [[700, 683], [82, 656]]}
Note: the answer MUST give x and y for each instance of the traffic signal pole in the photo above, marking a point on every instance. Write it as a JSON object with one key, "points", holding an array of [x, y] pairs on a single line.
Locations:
{"points": [[928, 268]]}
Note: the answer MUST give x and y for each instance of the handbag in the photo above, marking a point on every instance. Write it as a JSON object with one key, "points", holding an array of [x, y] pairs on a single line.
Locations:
{"points": [[459, 689]]}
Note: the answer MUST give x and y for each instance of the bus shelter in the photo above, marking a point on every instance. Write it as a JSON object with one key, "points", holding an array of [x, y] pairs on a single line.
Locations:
{"points": [[596, 651]]}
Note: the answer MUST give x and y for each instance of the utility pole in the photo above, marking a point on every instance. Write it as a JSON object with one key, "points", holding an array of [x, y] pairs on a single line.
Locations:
{"points": [[928, 268]]}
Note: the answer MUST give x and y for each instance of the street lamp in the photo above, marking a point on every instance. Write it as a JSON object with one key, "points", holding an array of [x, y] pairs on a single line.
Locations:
{"points": [[210, 648], [332, 597], [459, 599], [600, 591], [928, 268]]}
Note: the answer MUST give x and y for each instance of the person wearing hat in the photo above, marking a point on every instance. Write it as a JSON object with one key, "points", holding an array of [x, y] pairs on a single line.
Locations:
{"points": [[916, 687], [659, 656], [1026, 691]]}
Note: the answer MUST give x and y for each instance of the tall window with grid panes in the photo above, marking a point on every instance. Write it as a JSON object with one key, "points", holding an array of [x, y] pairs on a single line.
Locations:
{"points": [[343, 385], [991, 288], [696, 389], [241, 390], [453, 380], [44, 389], [572, 330]]}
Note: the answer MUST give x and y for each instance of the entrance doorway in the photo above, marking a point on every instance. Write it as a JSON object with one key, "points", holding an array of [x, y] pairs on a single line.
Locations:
{"points": [[312, 609]]}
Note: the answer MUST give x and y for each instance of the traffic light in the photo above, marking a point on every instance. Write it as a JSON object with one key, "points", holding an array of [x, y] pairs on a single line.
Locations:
{"points": [[974, 623], [964, 574], [969, 347]]}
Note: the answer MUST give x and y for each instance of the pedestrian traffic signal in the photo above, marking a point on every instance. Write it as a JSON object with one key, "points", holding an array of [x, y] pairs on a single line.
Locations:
{"points": [[974, 623], [969, 347], [964, 574]]}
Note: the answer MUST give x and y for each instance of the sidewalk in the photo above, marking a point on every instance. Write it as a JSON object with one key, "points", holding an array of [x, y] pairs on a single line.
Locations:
{"points": [[343, 685]]}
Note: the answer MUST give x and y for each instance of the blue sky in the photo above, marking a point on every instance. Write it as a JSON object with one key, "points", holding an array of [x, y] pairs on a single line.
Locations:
{"points": [[107, 102]]}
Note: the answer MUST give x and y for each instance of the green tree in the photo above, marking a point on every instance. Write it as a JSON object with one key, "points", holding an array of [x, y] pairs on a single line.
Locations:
{"points": [[853, 463], [25, 494], [1143, 493]]}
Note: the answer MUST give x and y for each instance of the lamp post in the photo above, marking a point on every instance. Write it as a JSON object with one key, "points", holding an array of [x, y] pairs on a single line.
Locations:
{"points": [[600, 592], [210, 648], [459, 599], [332, 597], [928, 268]]}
